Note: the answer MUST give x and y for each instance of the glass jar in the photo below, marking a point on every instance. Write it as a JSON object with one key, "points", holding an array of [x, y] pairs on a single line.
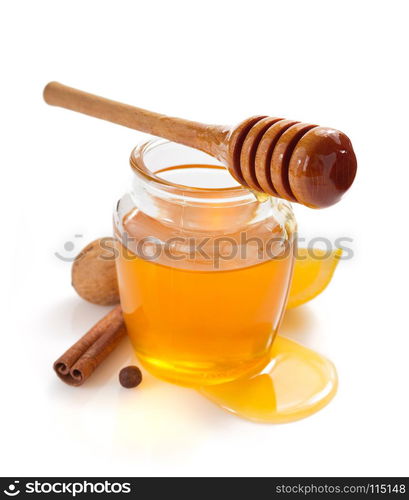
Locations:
{"points": [[204, 267]]}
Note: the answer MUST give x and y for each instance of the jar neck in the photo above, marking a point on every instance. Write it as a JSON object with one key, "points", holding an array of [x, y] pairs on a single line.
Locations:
{"points": [[182, 200], [198, 211]]}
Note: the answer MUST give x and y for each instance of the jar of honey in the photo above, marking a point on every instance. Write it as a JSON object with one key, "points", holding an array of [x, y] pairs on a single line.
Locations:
{"points": [[204, 266]]}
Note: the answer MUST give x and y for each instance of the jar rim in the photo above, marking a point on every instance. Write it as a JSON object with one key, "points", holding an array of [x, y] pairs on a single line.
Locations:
{"points": [[140, 168]]}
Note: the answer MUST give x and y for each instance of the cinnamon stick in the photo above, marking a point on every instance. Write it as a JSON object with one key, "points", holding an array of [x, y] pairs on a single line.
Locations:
{"points": [[76, 365]]}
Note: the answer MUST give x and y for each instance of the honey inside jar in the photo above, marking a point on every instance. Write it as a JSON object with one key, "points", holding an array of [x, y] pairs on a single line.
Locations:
{"points": [[203, 273], [202, 327]]}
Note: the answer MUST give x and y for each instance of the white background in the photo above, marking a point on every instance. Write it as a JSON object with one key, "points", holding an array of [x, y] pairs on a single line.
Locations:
{"points": [[341, 64]]}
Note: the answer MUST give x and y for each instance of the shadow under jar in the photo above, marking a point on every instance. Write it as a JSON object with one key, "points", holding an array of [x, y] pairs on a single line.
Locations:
{"points": [[204, 267]]}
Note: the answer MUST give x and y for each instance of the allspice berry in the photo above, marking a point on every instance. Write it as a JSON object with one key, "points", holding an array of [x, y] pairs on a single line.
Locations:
{"points": [[94, 275], [130, 376]]}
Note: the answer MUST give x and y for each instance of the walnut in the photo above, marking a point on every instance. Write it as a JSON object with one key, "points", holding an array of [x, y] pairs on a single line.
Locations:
{"points": [[94, 274]]}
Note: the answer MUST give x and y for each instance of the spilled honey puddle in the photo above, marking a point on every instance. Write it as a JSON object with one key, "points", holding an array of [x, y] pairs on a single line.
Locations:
{"points": [[296, 383]]}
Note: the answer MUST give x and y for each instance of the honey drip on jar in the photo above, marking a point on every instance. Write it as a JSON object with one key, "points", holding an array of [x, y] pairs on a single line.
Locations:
{"points": [[296, 383]]}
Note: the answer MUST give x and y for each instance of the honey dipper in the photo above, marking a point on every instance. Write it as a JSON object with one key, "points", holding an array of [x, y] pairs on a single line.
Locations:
{"points": [[296, 161]]}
